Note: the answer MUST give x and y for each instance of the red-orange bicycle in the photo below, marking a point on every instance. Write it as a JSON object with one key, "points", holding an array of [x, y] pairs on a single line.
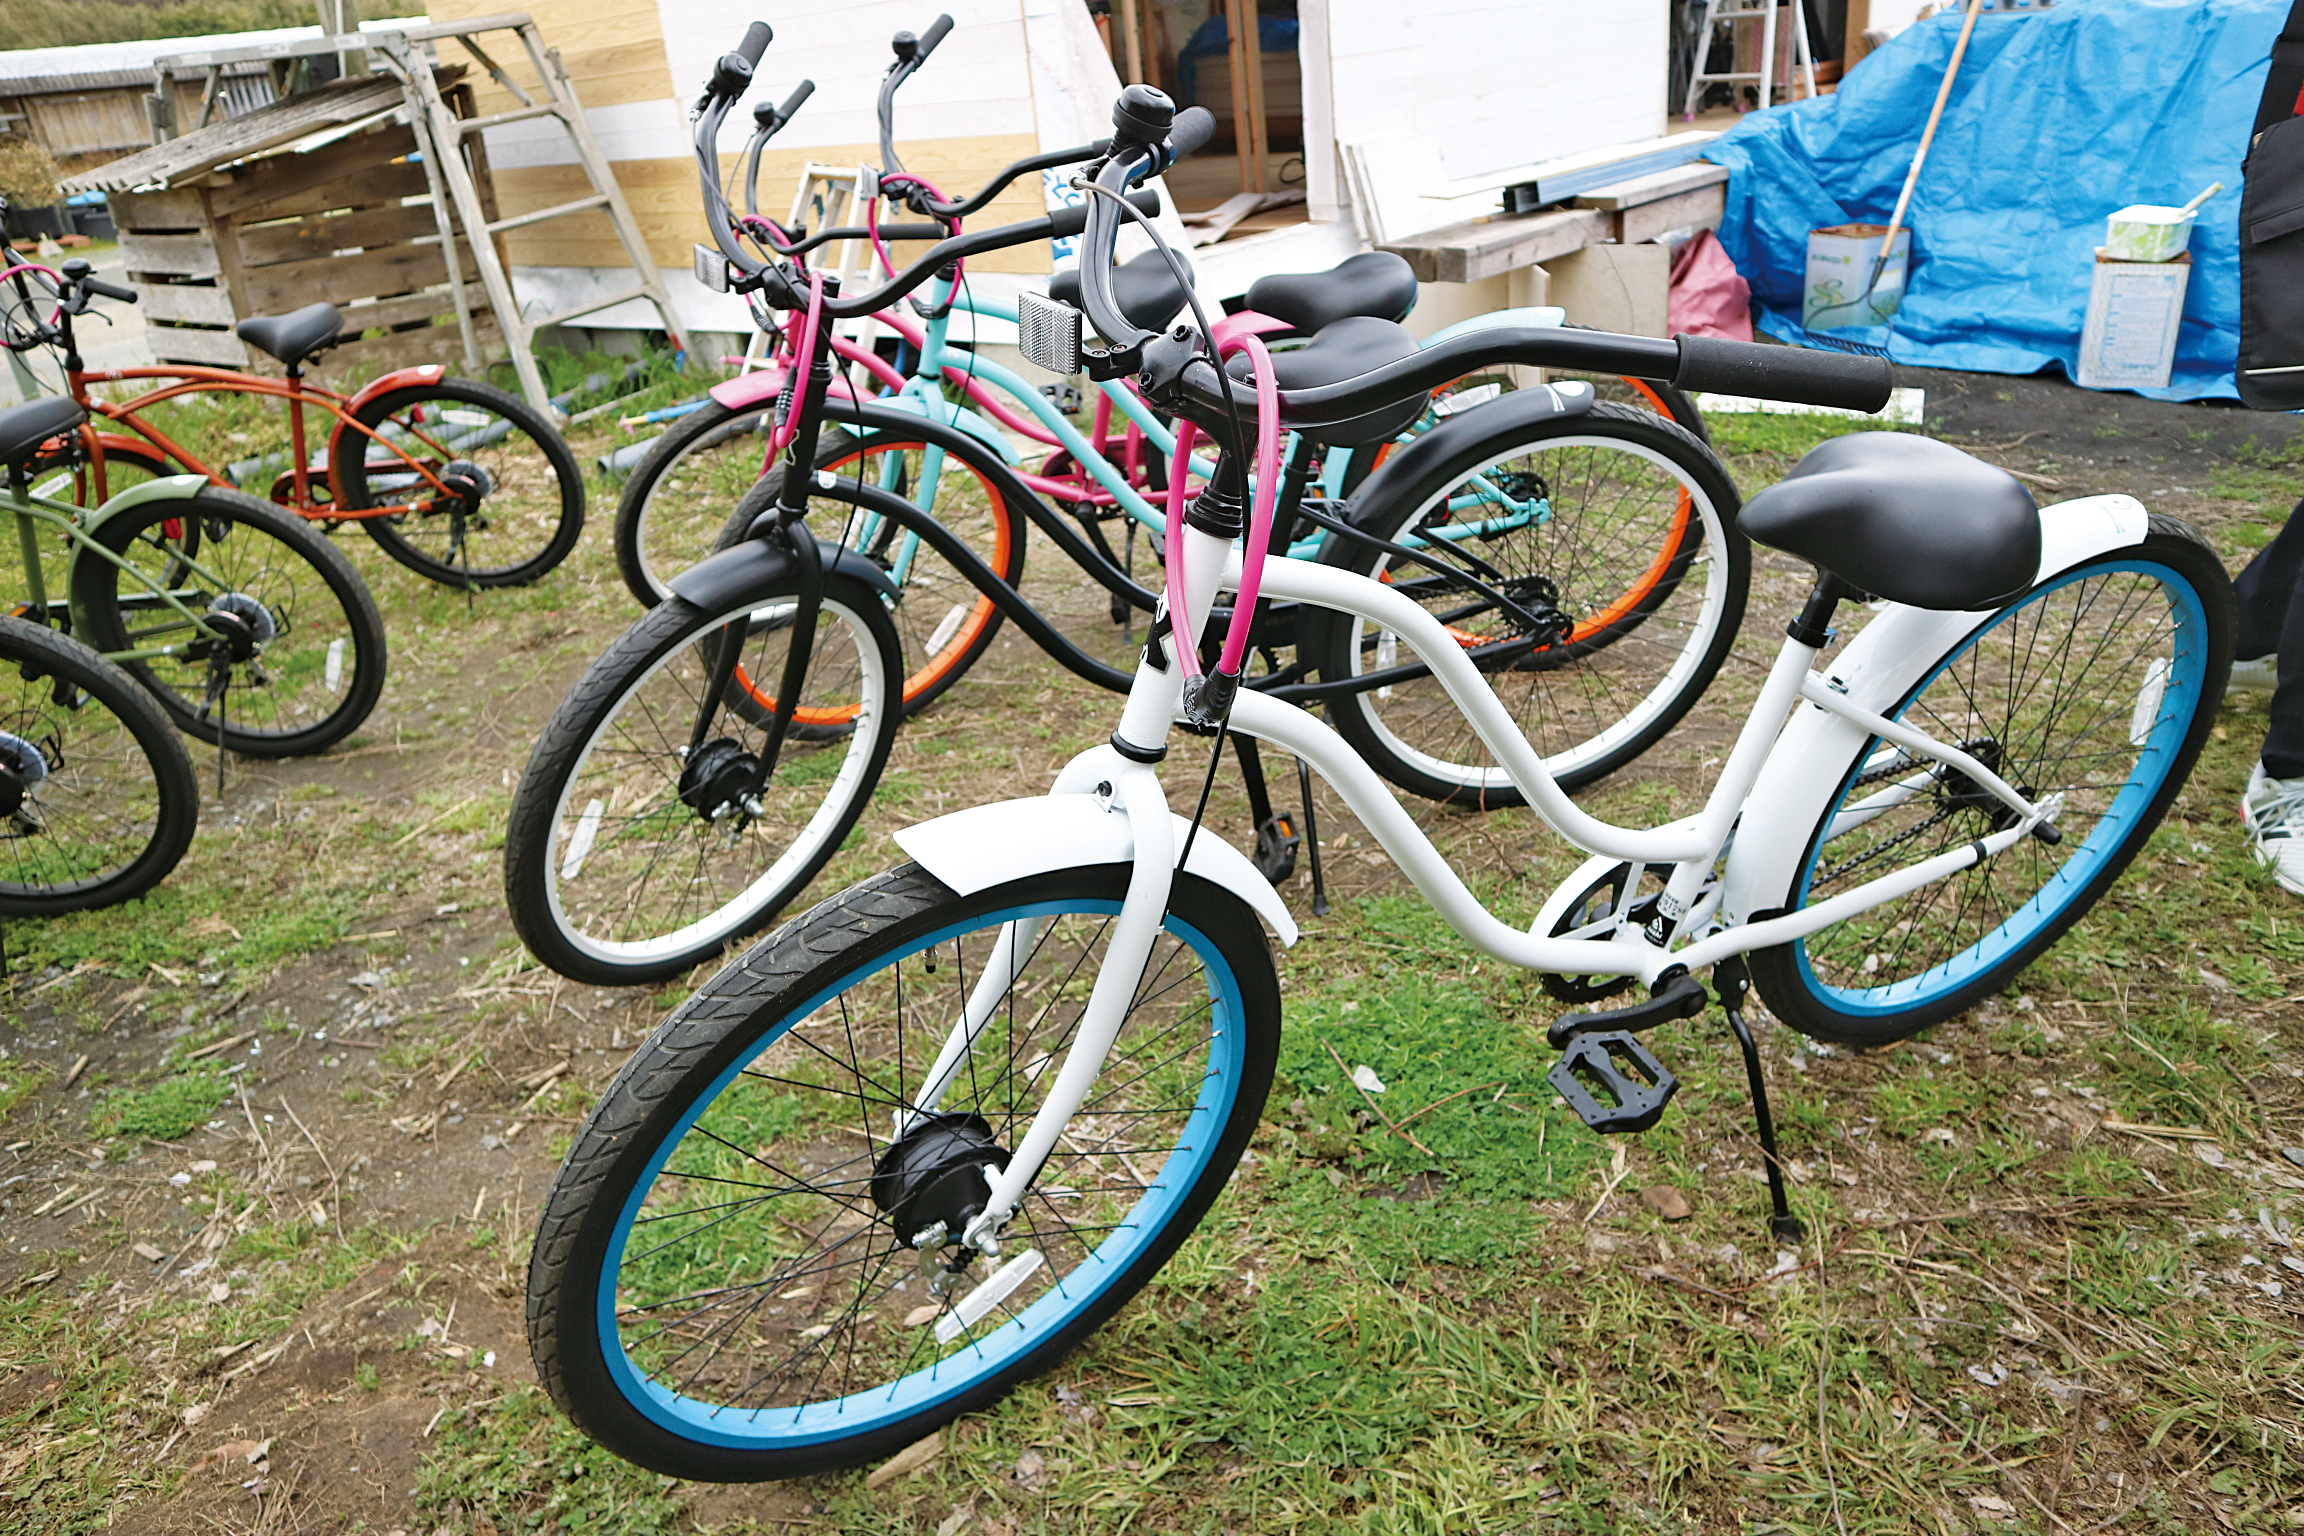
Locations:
{"points": [[455, 479]]}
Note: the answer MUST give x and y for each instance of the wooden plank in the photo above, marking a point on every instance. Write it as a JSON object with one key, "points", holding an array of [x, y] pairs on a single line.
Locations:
{"points": [[405, 349], [168, 256], [339, 279], [378, 186], [1701, 208], [178, 344], [176, 208], [183, 301], [323, 234], [346, 165], [1654, 187], [668, 207], [613, 47], [179, 160], [1466, 253], [387, 313]]}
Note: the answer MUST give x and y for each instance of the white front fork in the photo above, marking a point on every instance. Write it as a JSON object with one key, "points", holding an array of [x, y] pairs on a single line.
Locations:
{"points": [[1136, 793]]}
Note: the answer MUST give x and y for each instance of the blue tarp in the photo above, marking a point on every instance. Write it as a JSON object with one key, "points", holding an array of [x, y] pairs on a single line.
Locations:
{"points": [[2058, 118]]}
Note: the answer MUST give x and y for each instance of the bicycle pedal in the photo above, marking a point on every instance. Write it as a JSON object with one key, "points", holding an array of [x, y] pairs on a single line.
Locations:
{"points": [[1592, 1076], [1276, 843], [1682, 997]]}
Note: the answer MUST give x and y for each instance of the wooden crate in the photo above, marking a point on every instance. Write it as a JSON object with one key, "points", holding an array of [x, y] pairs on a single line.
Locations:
{"points": [[283, 230]]}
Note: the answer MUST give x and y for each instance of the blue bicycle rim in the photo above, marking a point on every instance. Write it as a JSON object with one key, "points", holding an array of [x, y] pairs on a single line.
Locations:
{"points": [[923, 1390], [2155, 759]]}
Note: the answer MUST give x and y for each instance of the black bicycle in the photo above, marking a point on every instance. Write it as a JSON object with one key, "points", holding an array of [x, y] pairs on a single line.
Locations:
{"points": [[711, 762]]}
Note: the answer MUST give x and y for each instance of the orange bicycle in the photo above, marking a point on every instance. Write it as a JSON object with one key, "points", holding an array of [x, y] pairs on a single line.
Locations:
{"points": [[455, 479]]}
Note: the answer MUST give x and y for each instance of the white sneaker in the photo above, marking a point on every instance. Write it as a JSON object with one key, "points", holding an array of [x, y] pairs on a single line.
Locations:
{"points": [[2259, 676], [2273, 812]]}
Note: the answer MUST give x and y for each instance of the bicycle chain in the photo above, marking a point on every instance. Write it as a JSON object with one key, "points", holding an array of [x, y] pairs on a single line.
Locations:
{"points": [[1943, 813]]}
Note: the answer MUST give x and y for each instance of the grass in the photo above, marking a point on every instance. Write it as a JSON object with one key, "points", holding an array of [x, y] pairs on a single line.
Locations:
{"points": [[169, 1110], [2030, 1322]]}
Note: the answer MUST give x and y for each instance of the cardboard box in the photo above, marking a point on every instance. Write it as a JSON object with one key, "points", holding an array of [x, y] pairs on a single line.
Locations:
{"points": [[2135, 309], [1839, 269]]}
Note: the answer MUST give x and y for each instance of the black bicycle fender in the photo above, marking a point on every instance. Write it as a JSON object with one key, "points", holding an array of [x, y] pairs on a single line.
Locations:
{"points": [[1520, 408], [870, 418], [758, 564]]}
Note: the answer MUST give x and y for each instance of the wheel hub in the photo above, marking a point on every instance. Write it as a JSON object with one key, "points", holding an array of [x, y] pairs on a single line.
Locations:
{"points": [[1962, 793], [717, 779], [468, 484], [245, 625], [23, 768], [937, 1175]]}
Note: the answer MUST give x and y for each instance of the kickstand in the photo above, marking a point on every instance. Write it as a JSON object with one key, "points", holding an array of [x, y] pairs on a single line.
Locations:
{"points": [[1312, 839], [212, 707], [1733, 981]]}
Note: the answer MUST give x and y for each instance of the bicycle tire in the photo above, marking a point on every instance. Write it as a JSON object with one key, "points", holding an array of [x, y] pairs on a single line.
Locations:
{"points": [[1646, 642], [944, 621], [130, 790], [653, 541], [1859, 982], [535, 499], [568, 818], [710, 1060], [317, 675]]}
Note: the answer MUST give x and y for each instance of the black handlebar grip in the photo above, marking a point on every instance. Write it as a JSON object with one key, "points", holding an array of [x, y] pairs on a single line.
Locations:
{"points": [[1190, 133], [1784, 373], [792, 103], [938, 30], [107, 290], [1064, 223], [756, 40]]}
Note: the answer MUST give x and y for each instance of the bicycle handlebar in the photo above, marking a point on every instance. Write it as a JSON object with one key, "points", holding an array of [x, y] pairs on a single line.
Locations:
{"points": [[911, 52], [1150, 134]]}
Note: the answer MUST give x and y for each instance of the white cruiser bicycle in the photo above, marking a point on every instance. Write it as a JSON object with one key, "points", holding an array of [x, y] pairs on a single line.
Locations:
{"points": [[915, 1145]]}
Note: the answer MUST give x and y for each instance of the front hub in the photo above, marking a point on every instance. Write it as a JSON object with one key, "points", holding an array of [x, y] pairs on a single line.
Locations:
{"points": [[937, 1175], [717, 779]]}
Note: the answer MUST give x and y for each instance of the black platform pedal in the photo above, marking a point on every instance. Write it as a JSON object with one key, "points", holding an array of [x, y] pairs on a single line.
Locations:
{"points": [[1679, 996], [1613, 1082], [1276, 843]]}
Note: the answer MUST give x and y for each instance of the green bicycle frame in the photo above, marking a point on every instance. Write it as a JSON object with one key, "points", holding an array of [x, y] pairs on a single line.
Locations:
{"points": [[34, 510]]}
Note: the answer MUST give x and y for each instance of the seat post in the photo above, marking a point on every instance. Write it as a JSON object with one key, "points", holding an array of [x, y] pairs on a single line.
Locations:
{"points": [[1813, 625]]}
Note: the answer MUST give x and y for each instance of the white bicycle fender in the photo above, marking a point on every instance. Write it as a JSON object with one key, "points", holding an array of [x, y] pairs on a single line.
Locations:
{"points": [[1882, 665], [974, 850], [951, 415]]}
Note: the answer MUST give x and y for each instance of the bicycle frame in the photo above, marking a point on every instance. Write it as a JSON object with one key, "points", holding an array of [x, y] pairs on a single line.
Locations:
{"points": [[1800, 735], [189, 379], [32, 509]]}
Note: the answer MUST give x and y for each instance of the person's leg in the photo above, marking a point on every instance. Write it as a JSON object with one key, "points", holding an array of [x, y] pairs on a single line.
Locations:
{"points": [[2272, 624], [2266, 592]]}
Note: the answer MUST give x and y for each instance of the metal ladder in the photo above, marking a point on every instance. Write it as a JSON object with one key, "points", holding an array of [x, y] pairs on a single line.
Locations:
{"points": [[441, 135], [1764, 12]]}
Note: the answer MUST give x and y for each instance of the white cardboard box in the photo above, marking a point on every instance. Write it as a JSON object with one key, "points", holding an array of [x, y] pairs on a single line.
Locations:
{"points": [[2135, 309], [1839, 270]]}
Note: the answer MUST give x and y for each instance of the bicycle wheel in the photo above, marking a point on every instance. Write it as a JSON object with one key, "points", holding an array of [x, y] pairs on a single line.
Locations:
{"points": [[287, 656], [97, 795], [630, 857], [723, 1285], [517, 506], [944, 621], [679, 493], [2099, 685], [1618, 523]]}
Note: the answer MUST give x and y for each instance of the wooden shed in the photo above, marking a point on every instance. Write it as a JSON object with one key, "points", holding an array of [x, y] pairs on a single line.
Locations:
{"points": [[308, 199]]}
